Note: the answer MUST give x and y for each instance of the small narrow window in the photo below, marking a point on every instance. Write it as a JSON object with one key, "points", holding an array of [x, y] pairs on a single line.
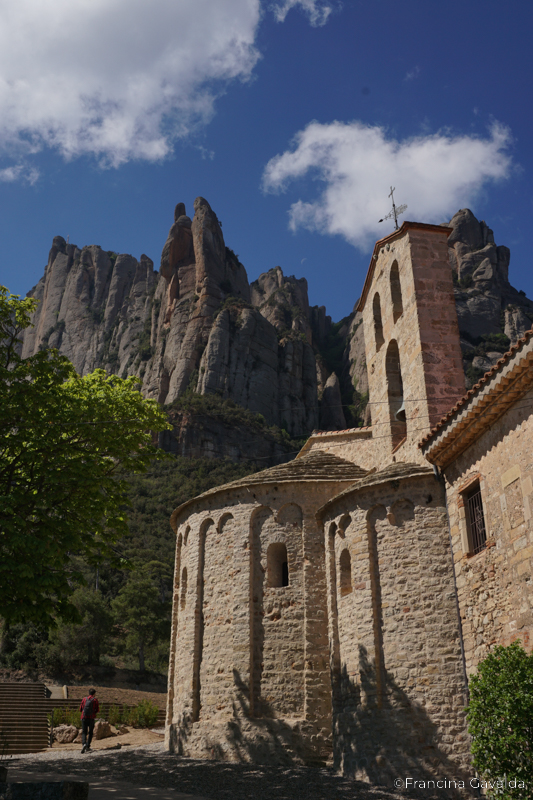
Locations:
{"points": [[475, 521], [378, 324], [277, 565], [396, 292], [183, 598], [345, 565]]}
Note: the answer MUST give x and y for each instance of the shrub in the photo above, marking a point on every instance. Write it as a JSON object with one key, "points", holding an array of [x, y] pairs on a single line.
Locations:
{"points": [[500, 716], [143, 715], [115, 715], [65, 716], [466, 281], [147, 713]]}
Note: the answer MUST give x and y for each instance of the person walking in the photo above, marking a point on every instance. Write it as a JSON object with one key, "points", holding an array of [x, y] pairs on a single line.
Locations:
{"points": [[89, 709]]}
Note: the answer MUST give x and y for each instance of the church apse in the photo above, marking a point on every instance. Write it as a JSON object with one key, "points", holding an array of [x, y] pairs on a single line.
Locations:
{"points": [[249, 666], [394, 638]]}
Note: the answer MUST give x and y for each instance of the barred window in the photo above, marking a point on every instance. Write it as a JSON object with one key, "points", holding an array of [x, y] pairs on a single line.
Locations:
{"points": [[475, 521]]}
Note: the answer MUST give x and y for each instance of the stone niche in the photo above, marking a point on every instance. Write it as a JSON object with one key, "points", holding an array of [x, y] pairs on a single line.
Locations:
{"points": [[396, 670]]}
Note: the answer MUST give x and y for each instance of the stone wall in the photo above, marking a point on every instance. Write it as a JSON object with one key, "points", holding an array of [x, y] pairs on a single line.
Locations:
{"points": [[249, 674], [494, 587], [399, 688]]}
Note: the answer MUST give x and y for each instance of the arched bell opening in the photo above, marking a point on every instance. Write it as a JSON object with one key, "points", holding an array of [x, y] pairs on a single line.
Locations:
{"points": [[396, 292], [397, 415], [378, 322]]}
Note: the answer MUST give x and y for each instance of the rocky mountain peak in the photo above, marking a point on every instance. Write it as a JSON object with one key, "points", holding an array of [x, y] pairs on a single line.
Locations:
{"points": [[284, 302], [492, 314]]}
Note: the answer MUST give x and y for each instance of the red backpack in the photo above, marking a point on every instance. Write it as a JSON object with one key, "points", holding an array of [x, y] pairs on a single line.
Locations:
{"points": [[88, 707]]}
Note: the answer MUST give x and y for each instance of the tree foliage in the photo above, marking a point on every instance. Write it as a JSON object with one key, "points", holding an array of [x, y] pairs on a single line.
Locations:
{"points": [[500, 716], [84, 642], [65, 442], [141, 614]]}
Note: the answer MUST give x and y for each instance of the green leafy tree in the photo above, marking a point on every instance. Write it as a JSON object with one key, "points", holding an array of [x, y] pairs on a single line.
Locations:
{"points": [[83, 642], [500, 716], [141, 615], [24, 646], [66, 443]]}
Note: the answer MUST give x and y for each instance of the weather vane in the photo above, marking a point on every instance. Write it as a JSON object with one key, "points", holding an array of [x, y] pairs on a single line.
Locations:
{"points": [[395, 211]]}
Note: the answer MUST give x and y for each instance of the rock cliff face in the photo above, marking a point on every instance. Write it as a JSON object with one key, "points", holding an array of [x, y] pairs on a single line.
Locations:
{"points": [[192, 324], [198, 324], [492, 314]]}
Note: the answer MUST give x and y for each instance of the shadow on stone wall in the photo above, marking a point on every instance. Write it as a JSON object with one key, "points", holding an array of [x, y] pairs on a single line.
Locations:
{"points": [[381, 744], [259, 740], [370, 743]]}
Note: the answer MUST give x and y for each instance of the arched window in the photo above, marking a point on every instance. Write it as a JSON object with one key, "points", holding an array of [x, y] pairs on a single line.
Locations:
{"points": [[378, 324], [277, 565], [395, 394], [183, 598], [396, 292], [345, 570], [344, 522]]}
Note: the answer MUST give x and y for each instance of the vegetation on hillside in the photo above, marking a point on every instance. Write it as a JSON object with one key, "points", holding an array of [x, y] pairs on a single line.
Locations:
{"points": [[226, 411]]}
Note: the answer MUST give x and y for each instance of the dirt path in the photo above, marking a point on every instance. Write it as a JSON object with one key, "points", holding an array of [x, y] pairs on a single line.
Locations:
{"points": [[134, 738]]}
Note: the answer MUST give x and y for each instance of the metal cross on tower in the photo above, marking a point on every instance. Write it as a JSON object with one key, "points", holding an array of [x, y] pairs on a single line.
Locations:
{"points": [[395, 211]]}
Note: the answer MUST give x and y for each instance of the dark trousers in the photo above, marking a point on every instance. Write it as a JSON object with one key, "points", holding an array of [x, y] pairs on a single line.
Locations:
{"points": [[87, 728]]}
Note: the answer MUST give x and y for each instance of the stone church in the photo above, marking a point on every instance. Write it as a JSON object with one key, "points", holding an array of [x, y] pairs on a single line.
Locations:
{"points": [[330, 610]]}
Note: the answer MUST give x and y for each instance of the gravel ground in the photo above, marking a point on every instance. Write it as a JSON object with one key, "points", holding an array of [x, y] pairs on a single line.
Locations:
{"points": [[151, 765]]}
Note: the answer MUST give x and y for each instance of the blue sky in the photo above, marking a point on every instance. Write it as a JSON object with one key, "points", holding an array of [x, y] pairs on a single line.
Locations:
{"points": [[292, 118]]}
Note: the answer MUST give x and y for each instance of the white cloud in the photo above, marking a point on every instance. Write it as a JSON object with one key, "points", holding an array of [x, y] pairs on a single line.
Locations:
{"points": [[119, 79], [434, 174], [318, 11], [19, 172]]}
